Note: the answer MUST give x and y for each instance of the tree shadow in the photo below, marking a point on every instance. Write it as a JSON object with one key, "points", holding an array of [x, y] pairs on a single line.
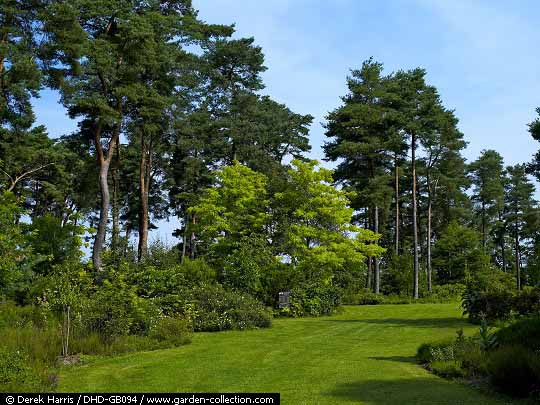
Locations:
{"points": [[409, 391], [401, 359], [420, 322]]}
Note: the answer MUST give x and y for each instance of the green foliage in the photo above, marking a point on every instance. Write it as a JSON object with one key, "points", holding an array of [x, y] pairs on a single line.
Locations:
{"points": [[489, 294], [218, 309], [244, 266], [15, 316], [509, 357], [524, 332], [17, 373], [157, 280], [174, 330], [458, 253], [313, 299], [318, 224], [489, 305], [448, 292], [527, 302], [487, 339], [13, 249], [94, 344], [169, 286], [447, 368], [514, 370], [398, 277], [41, 345], [235, 207], [488, 181], [56, 242], [115, 309], [365, 297]]}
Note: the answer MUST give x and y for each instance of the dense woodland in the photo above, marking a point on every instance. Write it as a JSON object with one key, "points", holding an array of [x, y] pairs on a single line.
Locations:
{"points": [[174, 122]]}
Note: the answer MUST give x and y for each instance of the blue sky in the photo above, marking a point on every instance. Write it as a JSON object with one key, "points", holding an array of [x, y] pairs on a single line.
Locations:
{"points": [[482, 56]]}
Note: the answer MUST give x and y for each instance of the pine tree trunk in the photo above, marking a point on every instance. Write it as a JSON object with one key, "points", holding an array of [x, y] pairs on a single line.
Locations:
{"points": [[377, 276], [397, 202], [484, 225], [99, 239], [429, 286], [518, 261], [502, 243], [192, 240], [184, 242], [104, 162], [115, 203], [414, 219], [369, 272], [144, 180]]}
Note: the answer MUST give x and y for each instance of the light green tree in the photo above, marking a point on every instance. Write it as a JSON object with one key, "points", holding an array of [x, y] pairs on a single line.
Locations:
{"points": [[315, 221]]}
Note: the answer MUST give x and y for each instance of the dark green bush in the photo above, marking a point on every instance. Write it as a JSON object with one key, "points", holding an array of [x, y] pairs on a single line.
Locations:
{"points": [[175, 330], [17, 373], [314, 299], [527, 302], [524, 332], [473, 359], [154, 281], [494, 305], [217, 309], [509, 357], [512, 370], [115, 310], [279, 277], [170, 286], [244, 266]]}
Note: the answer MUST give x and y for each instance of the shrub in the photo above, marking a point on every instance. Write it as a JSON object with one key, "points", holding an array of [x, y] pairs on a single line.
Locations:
{"points": [[175, 330], [243, 266], [429, 352], [495, 305], [473, 359], [169, 286], [447, 368], [16, 372], [365, 297], [510, 357], [314, 300], [115, 310], [525, 332], [512, 370], [217, 309], [527, 302], [447, 292], [277, 278]]}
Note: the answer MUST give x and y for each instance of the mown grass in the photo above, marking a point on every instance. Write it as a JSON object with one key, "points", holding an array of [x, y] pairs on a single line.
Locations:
{"points": [[364, 355]]}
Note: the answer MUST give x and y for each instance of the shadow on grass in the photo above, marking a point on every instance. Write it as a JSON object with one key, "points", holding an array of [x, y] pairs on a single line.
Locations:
{"points": [[401, 359], [420, 323], [408, 391]]}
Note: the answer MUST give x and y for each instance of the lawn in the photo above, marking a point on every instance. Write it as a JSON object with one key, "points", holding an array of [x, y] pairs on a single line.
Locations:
{"points": [[365, 355]]}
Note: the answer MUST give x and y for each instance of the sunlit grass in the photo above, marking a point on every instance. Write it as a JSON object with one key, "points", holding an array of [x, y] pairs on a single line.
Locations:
{"points": [[364, 355]]}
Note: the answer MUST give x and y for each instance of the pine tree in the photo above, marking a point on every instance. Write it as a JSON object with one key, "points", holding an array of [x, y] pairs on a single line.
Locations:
{"points": [[362, 135], [520, 202], [487, 174]]}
